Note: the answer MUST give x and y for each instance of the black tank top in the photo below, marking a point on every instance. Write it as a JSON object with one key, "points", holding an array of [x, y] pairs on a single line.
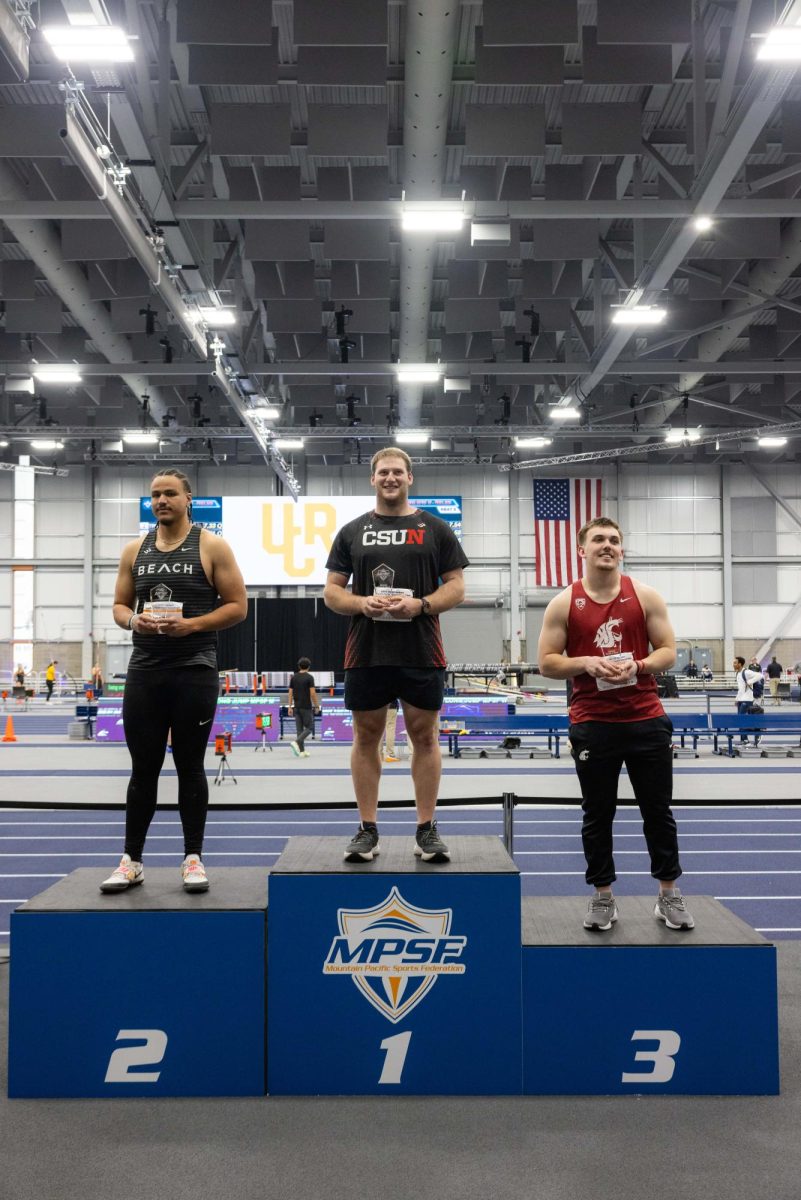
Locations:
{"points": [[175, 574]]}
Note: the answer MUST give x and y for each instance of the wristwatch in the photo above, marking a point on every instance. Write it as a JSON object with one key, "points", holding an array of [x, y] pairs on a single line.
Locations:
{"points": [[426, 606]]}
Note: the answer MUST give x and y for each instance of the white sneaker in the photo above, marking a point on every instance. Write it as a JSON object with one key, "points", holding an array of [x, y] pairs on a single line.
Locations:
{"points": [[194, 875], [124, 876], [295, 748]]}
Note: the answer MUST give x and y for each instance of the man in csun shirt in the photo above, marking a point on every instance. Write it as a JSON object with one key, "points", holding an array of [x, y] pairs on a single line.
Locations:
{"points": [[406, 568], [610, 635]]}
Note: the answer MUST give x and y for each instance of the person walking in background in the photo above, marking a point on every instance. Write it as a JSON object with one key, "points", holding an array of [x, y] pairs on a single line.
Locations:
{"points": [[744, 700], [775, 672], [303, 701], [50, 678]]}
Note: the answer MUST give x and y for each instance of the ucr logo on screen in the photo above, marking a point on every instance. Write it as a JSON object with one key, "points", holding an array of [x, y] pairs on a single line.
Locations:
{"points": [[394, 952], [298, 543]]}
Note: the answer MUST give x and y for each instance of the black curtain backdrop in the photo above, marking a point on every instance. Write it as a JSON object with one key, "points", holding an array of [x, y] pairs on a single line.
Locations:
{"points": [[284, 631]]}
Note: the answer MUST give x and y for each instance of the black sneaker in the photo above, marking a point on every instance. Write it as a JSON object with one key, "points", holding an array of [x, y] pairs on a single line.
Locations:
{"points": [[364, 845], [429, 845]]}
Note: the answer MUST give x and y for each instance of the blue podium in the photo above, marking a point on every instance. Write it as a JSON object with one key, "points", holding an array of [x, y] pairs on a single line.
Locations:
{"points": [[395, 976], [644, 1010], [151, 992]]}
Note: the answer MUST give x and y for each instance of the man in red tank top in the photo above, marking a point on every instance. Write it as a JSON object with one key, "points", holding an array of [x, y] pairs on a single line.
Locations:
{"points": [[610, 635]]}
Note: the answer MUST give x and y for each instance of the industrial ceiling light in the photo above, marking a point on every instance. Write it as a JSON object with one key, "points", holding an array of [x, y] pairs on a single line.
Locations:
{"points": [[533, 441], [772, 441], [565, 412], [703, 224], [490, 233], [140, 437], [56, 374], [781, 44], [23, 384], [88, 43], [289, 443], [639, 314], [217, 318], [432, 220], [46, 444], [676, 436], [421, 373], [412, 437]]}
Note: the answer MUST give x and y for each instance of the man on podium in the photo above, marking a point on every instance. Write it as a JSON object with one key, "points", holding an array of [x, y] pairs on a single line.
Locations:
{"points": [[609, 635], [406, 567]]}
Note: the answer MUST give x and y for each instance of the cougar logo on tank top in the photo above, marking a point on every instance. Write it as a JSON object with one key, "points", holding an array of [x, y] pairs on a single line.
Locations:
{"points": [[609, 635], [595, 629]]}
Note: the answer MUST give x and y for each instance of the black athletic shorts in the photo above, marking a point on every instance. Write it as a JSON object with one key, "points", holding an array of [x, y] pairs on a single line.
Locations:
{"points": [[369, 688]]}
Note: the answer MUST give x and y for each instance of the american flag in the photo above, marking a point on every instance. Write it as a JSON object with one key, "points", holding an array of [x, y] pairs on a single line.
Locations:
{"points": [[561, 507]]}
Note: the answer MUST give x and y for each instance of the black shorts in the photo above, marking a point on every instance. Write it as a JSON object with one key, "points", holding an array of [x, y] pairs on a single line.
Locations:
{"points": [[368, 688]]}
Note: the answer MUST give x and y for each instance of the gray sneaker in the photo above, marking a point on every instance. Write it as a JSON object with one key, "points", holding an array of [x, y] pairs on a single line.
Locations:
{"points": [[671, 909], [363, 846], [601, 912], [429, 846]]}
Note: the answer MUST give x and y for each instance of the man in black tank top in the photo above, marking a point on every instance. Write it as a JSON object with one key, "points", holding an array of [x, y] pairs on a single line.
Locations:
{"points": [[176, 587]]}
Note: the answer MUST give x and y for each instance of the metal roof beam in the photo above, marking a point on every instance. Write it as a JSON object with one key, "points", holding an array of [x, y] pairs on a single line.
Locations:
{"points": [[657, 368], [757, 102], [429, 54]]}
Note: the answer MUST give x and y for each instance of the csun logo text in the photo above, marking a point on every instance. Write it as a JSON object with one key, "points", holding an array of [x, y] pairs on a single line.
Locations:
{"points": [[393, 537]]}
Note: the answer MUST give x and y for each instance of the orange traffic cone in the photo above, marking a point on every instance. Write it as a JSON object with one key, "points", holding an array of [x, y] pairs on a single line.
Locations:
{"points": [[9, 735]]}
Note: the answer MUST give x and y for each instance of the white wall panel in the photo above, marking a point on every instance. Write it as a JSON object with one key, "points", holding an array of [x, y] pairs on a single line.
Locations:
{"points": [[788, 543], [6, 514], [758, 620], [63, 589], [685, 586], [789, 585], [474, 634], [662, 545], [690, 622], [5, 605], [58, 623]]}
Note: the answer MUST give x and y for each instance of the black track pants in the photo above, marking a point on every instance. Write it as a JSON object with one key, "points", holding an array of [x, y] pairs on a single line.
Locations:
{"points": [[181, 699], [304, 724], [600, 748]]}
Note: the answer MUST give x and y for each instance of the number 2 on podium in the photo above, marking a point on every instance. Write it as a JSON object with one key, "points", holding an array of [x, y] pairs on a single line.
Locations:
{"points": [[397, 1048]]}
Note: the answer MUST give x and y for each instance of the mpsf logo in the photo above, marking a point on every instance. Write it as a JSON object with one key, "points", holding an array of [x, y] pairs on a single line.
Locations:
{"points": [[394, 952]]}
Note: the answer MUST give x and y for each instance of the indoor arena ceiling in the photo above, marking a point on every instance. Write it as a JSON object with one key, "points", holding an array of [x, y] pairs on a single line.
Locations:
{"points": [[265, 159]]}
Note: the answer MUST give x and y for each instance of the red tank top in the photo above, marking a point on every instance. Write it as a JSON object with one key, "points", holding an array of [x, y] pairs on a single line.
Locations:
{"points": [[598, 629]]}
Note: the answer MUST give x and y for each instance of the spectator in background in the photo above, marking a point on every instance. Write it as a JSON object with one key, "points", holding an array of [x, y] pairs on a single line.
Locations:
{"points": [[744, 700], [97, 680], [50, 678], [775, 672], [303, 700], [19, 676], [691, 670], [389, 732], [706, 673], [755, 664]]}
